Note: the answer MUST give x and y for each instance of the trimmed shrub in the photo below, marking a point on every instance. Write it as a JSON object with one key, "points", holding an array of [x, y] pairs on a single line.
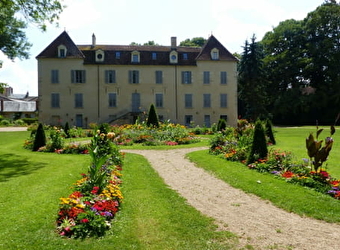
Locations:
{"points": [[67, 130], [40, 138], [222, 125], [258, 149], [269, 132], [152, 118]]}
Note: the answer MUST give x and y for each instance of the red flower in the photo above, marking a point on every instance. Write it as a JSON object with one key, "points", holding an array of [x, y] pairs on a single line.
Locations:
{"points": [[288, 174], [95, 190], [84, 220]]}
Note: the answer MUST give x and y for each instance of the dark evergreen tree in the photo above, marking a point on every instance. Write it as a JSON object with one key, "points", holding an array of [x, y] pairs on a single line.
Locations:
{"points": [[67, 130], [259, 146], [40, 138], [269, 132], [152, 118], [221, 125]]}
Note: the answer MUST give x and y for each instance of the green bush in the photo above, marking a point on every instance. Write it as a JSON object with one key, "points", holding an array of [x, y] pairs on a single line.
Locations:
{"points": [[259, 146], [67, 130], [222, 125], [5, 122], [152, 118], [269, 132], [40, 138], [30, 121]]}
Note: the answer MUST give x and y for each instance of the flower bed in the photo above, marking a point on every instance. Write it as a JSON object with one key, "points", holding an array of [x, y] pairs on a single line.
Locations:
{"points": [[233, 144], [96, 197]]}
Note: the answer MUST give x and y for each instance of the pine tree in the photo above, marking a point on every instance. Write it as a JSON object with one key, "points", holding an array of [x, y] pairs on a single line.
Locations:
{"points": [[259, 146], [152, 118], [40, 138]]}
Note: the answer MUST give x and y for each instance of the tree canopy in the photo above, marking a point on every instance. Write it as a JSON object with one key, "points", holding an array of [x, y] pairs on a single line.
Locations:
{"points": [[14, 17], [297, 78], [194, 42]]}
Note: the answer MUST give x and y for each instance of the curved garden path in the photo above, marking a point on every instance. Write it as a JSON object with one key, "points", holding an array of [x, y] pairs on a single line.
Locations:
{"points": [[257, 222]]}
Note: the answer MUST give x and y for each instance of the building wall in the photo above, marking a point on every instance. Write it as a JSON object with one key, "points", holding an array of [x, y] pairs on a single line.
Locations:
{"points": [[95, 91]]}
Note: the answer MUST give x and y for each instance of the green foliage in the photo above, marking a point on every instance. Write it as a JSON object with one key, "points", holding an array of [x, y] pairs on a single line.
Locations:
{"points": [[40, 138], [194, 42], [13, 42], [251, 81], [67, 130], [56, 140], [221, 125], [259, 148], [152, 117], [269, 132], [318, 154]]}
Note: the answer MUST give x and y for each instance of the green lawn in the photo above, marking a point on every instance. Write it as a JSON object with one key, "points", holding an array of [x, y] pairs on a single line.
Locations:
{"points": [[152, 215]]}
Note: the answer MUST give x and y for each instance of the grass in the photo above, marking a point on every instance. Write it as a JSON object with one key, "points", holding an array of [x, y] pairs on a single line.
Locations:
{"points": [[292, 198], [152, 215]]}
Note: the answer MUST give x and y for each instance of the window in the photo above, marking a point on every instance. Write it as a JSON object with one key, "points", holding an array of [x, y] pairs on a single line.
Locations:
{"points": [[154, 56], [173, 57], [54, 76], [110, 76], [159, 100], [224, 117], [186, 77], [207, 122], [185, 56], [112, 100], [133, 76], [223, 77], [78, 100], [78, 76], [223, 100], [135, 57], [206, 77], [62, 51], [214, 54], [159, 76], [206, 101], [117, 54], [188, 119], [188, 100], [100, 55], [55, 100]]}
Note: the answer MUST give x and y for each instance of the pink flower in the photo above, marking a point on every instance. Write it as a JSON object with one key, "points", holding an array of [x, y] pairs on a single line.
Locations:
{"points": [[84, 220]]}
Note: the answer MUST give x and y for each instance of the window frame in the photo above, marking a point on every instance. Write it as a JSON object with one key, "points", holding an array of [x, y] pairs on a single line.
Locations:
{"points": [[186, 77], [55, 100], [188, 100], [224, 77], [78, 76], [110, 76], [159, 102], [54, 76], [78, 100], [159, 76], [206, 100], [112, 99], [223, 100], [134, 76], [206, 77]]}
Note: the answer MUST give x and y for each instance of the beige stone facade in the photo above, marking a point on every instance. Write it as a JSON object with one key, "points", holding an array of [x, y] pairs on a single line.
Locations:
{"points": [[83, 84]]}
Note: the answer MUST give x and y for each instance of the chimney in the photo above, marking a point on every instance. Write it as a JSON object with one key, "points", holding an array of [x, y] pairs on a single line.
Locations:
{"points": [[173, 42], [93, 40]]}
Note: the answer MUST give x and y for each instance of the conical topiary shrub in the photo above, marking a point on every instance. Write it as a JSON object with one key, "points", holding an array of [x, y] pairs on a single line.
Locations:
{"points": [[40, 138], [221, 125], [152, 118], [269, 132], [67, 130], [258, 148]]}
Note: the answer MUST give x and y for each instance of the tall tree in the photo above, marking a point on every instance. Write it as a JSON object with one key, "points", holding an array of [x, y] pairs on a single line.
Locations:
{"points": [[251, 80], [322, 28], [14, 17]]}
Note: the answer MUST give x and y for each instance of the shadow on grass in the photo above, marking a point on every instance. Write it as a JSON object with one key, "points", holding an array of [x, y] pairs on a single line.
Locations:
{"points": [[12, 166]]}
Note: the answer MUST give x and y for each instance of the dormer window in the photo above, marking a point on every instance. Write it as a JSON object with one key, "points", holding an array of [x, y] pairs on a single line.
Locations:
{"points": [[62, 51], [154, 56], [173, 57], [117, 54], [135, 57], [185, 56], [215, 54], [100, 55]]}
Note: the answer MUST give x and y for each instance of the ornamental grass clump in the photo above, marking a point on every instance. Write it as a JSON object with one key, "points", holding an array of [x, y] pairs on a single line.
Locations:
{"points": [[90, 208]]}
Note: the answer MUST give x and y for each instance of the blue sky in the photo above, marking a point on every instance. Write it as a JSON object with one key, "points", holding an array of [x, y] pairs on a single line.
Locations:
{"points": [[125, 21]]}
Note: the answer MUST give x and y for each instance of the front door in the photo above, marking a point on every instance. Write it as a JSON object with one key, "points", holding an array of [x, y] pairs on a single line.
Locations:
{"points": [[135, 102]]}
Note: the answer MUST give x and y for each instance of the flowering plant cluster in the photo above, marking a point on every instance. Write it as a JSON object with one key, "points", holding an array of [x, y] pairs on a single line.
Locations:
{"points": [[149, 136], [234, 145], [96, 197]]}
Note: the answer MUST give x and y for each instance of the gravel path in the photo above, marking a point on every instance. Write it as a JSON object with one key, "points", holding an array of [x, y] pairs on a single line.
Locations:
{"points": [[257, 222]]}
